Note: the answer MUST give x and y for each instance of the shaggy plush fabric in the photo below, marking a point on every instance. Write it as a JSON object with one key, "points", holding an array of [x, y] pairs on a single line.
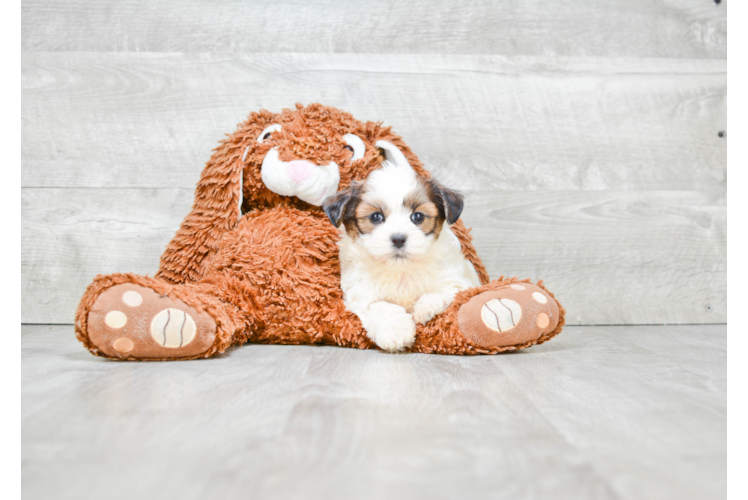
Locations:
{"points": [[265, 267]]}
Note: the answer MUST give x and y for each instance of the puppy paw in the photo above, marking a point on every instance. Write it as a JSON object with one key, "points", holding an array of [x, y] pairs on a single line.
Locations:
{"points": [[397, 335], [429, 305], [390, 327]]}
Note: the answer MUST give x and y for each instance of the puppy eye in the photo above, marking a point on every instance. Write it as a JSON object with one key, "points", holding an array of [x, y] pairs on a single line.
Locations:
{"points": [[376, 218], [265, 134], [417, 217]]}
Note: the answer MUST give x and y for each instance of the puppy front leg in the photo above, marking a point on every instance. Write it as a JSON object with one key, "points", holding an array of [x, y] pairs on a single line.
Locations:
{"points": [[388, 325], [431, 304]]}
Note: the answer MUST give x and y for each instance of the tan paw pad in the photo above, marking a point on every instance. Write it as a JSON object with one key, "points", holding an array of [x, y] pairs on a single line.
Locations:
{"points": [[132, 298], [115, 319], [513, 315], [539, 298], [173, 328], [136, 322], [123, 345], [542, 320], [501, 314]]}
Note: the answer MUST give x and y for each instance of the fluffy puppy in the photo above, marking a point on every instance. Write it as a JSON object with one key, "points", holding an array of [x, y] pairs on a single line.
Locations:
{"points": [[400, 262]]}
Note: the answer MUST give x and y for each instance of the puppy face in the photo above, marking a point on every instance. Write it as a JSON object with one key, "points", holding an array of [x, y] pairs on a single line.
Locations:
{"points": [[395, 215]]}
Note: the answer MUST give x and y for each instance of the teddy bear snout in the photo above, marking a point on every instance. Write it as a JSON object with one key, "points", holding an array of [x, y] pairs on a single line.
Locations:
{"points": [[300, 170]]}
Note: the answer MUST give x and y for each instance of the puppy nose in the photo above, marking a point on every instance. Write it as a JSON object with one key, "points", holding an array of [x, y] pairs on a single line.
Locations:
{"points": [[398, 240]]}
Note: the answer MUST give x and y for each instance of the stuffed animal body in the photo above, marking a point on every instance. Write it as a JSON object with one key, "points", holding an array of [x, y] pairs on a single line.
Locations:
{"points": [[256, 260]]}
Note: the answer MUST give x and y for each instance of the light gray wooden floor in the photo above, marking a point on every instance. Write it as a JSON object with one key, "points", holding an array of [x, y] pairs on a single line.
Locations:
{"points": [[624, 412]]}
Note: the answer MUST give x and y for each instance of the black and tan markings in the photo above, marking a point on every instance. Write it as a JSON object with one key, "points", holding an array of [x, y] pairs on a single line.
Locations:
{"points": [[423, 200], [341, 208], [365, 210], [435, 202]]}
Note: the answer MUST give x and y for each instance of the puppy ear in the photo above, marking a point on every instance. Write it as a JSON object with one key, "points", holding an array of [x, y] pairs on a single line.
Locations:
{"points": [[453, 203], [334, 206]]}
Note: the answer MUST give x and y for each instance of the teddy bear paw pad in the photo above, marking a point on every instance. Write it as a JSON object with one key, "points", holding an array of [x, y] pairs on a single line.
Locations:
{"points": [[133, 321], [511, 315]]}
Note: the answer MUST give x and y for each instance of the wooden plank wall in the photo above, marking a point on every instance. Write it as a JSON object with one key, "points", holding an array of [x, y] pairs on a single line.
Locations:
{"points": [[585, 135]]}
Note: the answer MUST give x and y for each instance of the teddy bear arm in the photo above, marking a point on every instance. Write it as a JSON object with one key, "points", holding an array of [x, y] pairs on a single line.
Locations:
{"points": [[468, 250], [504, 315]]}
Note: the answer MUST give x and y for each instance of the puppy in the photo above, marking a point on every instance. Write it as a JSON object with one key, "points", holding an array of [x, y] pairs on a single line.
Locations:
{"points": [[400, 262]]}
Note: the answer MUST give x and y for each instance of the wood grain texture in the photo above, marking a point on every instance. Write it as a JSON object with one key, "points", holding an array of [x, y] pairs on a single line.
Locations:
{"points": [[638, 28], [151, 120], [71, 235], [599, 413], [612, 257], [585, 135]]}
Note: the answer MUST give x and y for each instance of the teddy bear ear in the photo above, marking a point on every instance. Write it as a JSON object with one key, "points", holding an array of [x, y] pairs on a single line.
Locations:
{"points": [[393, 154]]}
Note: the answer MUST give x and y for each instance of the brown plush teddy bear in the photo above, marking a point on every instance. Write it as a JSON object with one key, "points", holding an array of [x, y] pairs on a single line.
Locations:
{"points": [[256, 259]]}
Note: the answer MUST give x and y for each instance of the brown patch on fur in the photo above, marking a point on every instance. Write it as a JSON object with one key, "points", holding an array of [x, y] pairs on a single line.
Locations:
{"points": [[426, 200], [433, 222], [448, 203], [428, 209], [417, 197], [364, 210], [341, 208]]}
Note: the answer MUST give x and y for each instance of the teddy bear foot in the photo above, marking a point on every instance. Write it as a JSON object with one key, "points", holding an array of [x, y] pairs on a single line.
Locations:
{"points": [[517, 314], [130, 321]]}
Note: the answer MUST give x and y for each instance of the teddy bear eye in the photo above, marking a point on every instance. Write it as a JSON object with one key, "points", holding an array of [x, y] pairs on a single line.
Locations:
{"points": [[376, 218], [267, 132], [417, 217], [356, 145]]}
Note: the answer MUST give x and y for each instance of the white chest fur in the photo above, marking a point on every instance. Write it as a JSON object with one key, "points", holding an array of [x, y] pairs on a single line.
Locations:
{"points": [[365, 281]]}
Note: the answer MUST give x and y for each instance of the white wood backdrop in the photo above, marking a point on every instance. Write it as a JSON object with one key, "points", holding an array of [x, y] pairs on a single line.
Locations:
{"points": [[583, 134]]}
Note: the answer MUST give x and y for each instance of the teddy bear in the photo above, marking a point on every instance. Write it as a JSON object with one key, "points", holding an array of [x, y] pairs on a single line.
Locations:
{"points": [[256, 259]]}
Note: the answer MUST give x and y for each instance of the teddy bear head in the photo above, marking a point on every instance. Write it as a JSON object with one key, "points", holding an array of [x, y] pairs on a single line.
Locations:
{"points": [[296, 158], [304, 155]]}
